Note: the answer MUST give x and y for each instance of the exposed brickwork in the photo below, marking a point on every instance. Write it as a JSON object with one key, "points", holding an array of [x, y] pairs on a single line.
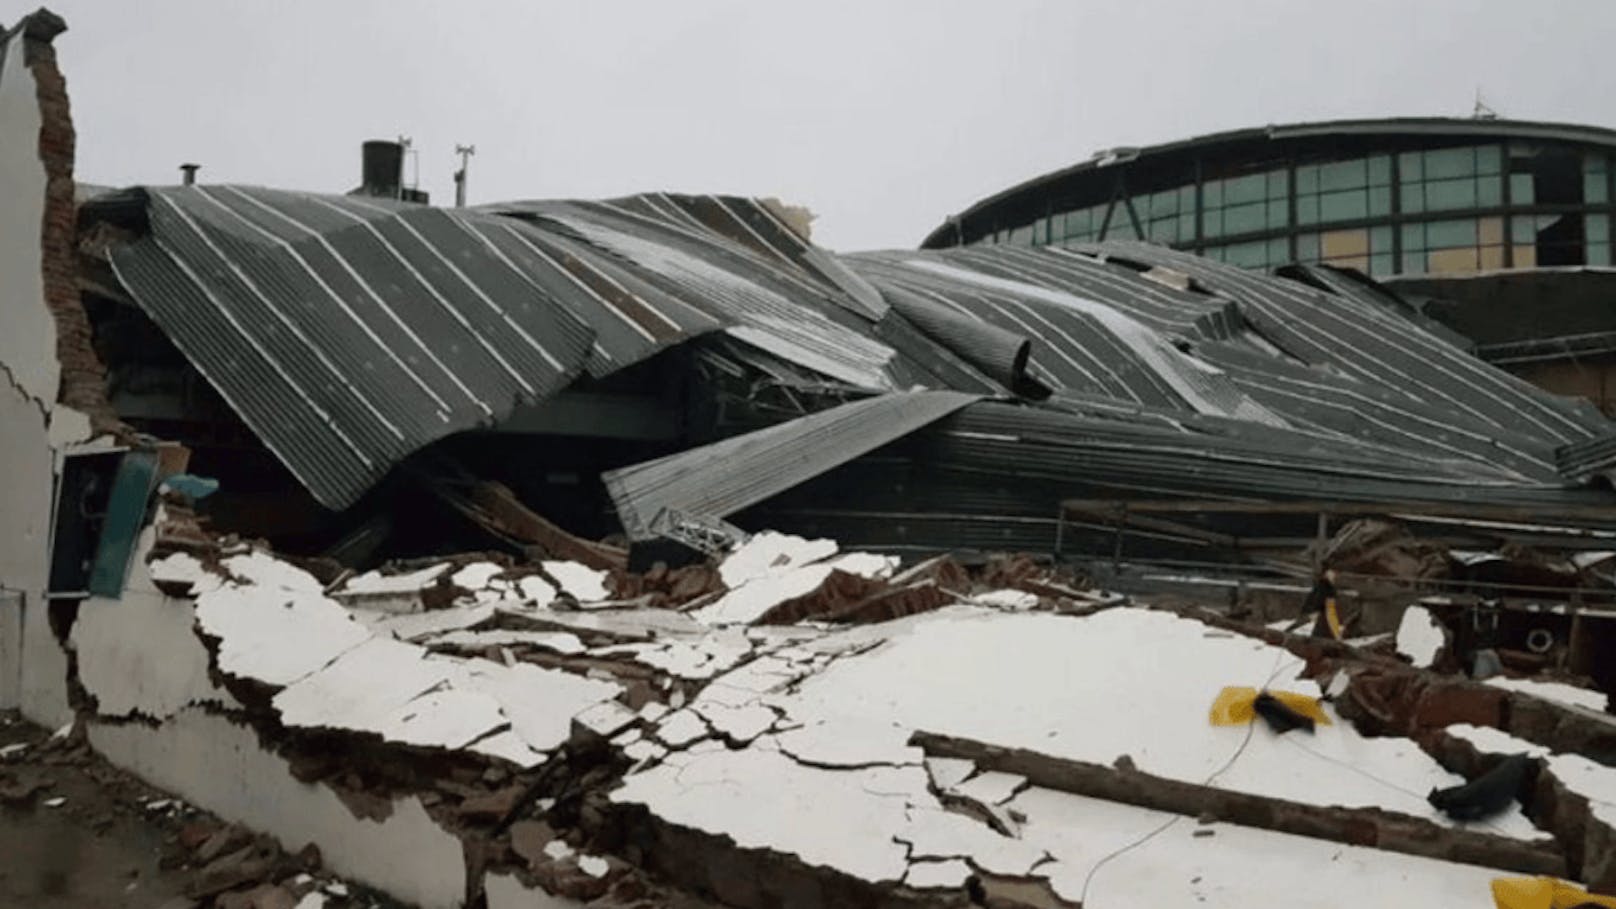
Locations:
{"points": [[83, 378]]}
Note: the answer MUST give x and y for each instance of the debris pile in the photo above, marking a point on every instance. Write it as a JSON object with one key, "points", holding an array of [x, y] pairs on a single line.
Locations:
{"points": [[790, 718]]}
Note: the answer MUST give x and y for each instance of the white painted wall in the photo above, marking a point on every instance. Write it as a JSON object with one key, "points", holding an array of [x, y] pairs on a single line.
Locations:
{"points": [[28, 343], [140, 654], [33, 668], [219, 766]]}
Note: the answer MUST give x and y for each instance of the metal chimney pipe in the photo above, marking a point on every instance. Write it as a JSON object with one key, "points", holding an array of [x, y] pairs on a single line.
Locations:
{"points": [[189, 172]]}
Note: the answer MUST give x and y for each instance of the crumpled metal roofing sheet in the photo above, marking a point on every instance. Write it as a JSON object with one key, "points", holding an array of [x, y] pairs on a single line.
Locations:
{"points": [[351, 332], [720, 479], [347, 333], [1372, 345]]}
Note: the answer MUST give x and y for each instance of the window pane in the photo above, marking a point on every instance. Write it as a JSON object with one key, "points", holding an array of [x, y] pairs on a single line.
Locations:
{"points": [[1245, 189], [1413, 200], [1380, 170], [1212, 194], [1489, 159], [1022, 236], [1279, 213], [1490, 231], [1279, 250], [1520, 189], [1462, 259], [1440, 234], [1380, 264], [1307, 210], [1212, 223], [1380, 200], [1164, 203], [1277, 184], [1240, 219], [1489, 190], [1343, 175], [1409, 168], [1339, 245], [1596, 228], [1599, 255], [1121, 227], [1215, 253], [1444, 194], [1413, 237], [1413, 262], [1307, 247], [1165, 230], [1593, 164], [1307, 179], [1343, 206], [1380, 239], [1247, 254], [1523, 229], [1594, 188], [1186, 198], [1450, 162]]}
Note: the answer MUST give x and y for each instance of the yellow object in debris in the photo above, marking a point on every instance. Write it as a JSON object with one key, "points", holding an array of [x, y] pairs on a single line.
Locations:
{"points": [[1233, 706], [1544, 893], [1332, 615]]}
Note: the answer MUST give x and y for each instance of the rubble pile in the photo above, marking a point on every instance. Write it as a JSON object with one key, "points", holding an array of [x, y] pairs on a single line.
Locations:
{"points": [[793, 723]]}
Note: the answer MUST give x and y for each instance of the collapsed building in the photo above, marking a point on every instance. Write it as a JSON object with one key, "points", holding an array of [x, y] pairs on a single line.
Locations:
{"points": [[640, 550]]}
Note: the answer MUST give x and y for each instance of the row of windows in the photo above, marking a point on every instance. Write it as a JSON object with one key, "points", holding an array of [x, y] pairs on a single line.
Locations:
{"points": [[1376, 186], [1438, 247]]}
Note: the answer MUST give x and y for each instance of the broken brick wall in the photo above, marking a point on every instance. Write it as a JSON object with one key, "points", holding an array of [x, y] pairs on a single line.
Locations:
{"points": [[39, 308], [82, 375]]}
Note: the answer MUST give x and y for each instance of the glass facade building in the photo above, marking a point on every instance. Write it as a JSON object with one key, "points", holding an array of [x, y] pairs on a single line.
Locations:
{"points": [[1387, 197]]}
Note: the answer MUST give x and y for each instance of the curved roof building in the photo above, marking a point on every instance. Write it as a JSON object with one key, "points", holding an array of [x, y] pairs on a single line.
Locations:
{"points": [[1388, 197]]}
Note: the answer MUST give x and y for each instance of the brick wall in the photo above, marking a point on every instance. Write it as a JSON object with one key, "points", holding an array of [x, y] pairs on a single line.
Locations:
{"points": [[83, 381]]}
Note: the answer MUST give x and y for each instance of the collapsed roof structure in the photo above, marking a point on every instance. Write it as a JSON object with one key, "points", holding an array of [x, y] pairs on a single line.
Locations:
{"points": [[963, 393], [260, 443]]}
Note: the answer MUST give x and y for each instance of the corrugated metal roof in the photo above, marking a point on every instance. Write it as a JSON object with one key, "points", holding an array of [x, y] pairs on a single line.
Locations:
{"points": [[348, 333], [720, 479]]}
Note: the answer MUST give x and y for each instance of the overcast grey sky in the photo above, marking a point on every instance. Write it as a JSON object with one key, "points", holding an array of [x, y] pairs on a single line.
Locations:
{"points": [[882, 117]]}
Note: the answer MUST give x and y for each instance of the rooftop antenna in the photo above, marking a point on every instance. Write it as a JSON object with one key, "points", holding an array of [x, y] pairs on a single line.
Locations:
{"points": [[409, 149], [465, 152], [1482, 111]]}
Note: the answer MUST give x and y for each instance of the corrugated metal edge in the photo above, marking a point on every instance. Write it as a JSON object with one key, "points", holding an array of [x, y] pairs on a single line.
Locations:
{"points": [[720, 479]]}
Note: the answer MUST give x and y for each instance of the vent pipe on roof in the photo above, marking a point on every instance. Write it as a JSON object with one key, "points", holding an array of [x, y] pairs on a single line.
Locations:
{"points": [[189, 173], [382, 168]]}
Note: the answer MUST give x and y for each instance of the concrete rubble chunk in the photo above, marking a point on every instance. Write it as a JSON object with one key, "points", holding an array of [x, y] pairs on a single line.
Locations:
{"points": [[276, 636], [1420, 637], [768, 553], [582, 583]]}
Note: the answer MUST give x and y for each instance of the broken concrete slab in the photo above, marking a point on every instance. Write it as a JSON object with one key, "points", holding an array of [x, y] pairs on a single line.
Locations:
{"points": [[276, 636]]}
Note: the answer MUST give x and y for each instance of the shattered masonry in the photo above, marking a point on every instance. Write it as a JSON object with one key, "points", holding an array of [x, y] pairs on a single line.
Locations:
{"points": [[640, 553]]}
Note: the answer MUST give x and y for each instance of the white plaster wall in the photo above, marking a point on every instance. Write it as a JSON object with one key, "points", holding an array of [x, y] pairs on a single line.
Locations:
{"points": [[219, 766], [33, 668], [28, 341], [140, 654]]}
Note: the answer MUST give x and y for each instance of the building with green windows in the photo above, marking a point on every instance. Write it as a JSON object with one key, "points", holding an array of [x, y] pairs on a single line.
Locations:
{"points": [[1401, 197]]}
